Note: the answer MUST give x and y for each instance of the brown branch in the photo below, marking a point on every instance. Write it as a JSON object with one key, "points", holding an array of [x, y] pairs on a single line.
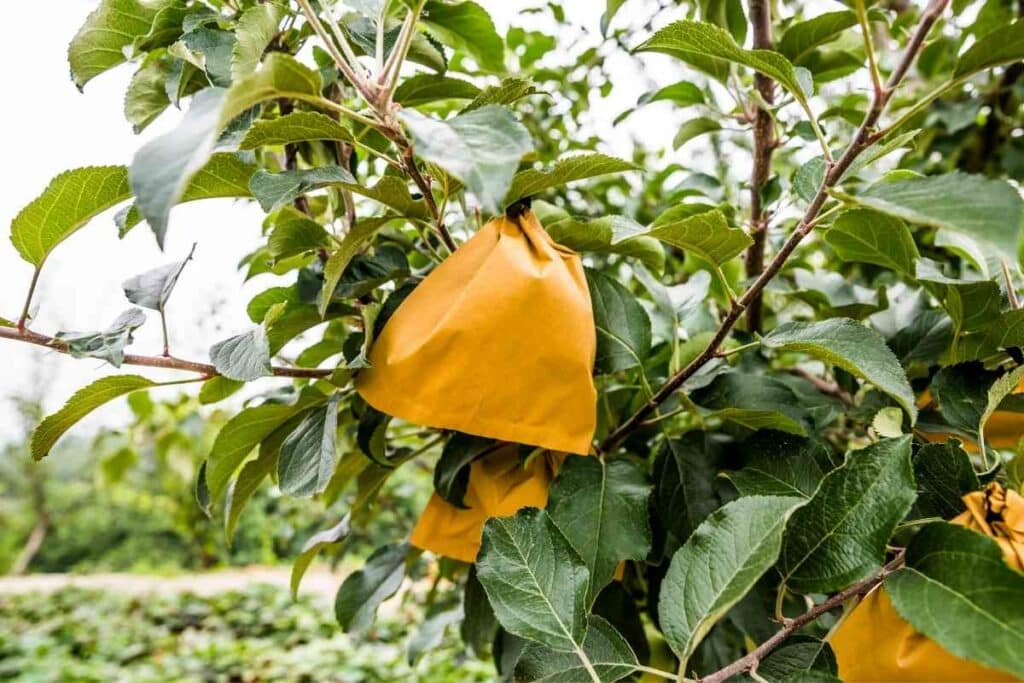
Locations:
{"points": [[166, 362], [793, 625], [409, 161], [862, 139], [764, 145]]}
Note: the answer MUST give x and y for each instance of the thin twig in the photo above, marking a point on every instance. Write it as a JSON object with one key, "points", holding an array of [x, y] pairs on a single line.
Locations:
{"points": [[869, 44], [861, 141], [428, 197], [764, 145], [169, 363], [358, 82], [23, 318], [795, 624]]}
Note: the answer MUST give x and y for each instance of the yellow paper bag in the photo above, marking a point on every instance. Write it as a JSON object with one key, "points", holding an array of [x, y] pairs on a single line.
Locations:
{"points": [[497, 341], [874, 643], [499, 486]]}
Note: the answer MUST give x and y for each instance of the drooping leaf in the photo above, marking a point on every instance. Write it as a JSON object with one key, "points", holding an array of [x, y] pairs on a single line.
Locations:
{"points": [[83, 402], [146, 97], [309, 454], [706, 234], [623, 327], [534, 579], [339, 260], [274, 190], [980, 596], [479, 627], [212, 50], [466, 26], [110, 32], [161, 169], [481, 148], [451, 473], [718, 565], [564, 171], [601, 507], [315, 544], [299, 126], [362, 592], [243, 432], [431, 632], [839, 536], [255, 30], [244, 357], [981, 214], [944, 474], [971, 303], [224, 175], [870, 237], [294, 233], [245, 485], [67, 204], [1001, 46], [107, 345], [691, 129], [609, 653], [153, 288], [851, 346]]}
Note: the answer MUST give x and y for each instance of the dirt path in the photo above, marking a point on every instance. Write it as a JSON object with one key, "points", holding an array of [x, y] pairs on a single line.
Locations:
{"points": [[317, 581]]}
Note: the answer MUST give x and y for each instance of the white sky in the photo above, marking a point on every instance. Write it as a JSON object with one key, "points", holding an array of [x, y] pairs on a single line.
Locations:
{"points": [[51, 127]]}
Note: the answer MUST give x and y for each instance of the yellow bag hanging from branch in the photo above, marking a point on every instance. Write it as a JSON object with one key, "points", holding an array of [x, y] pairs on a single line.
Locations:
{"points": [[873, 643], [499, 486], [497, 341]]}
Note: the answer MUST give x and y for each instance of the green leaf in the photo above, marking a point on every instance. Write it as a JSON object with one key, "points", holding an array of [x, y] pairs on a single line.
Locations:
{"points": [[754, 401], [718, 565], [110, 31], [683, 94], [1000, 389], [217, 389], [362, 592], [781, 465], [980, 596], [608, 652], [835, 295], [601, 507], [428, 88], [611, 9], [244, 357], [972, 304], [839, 537], [153, 288], [851, 346], [606, 235], [944, 474], [83, 402], [684, 488], [1001, 332], [1001, 46], [318, 542], [535, 581], [688, 39], [808, 179], [244, 432], [255, 31], [802, 37], [107, 345], [299, 126], [293, 233], [466, 26], [274, 190], [358, 235], [451, 473], [509, 91], [800, 654], [962, 392], [161, 169], [245, 485], [211, 49], [979, 214], [309, 453], [867, 236], [146, 97], [564, 171], [482, 149], [224, 175], [623, 327], [706, 234], [693, 128], [67, 204]]}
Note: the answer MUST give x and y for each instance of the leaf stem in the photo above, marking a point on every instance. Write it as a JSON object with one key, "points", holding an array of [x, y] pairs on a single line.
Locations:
{"points": [[862, 139], [591, 671], [361, 85], [869, 44], [655, 672], [23, 318]]}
